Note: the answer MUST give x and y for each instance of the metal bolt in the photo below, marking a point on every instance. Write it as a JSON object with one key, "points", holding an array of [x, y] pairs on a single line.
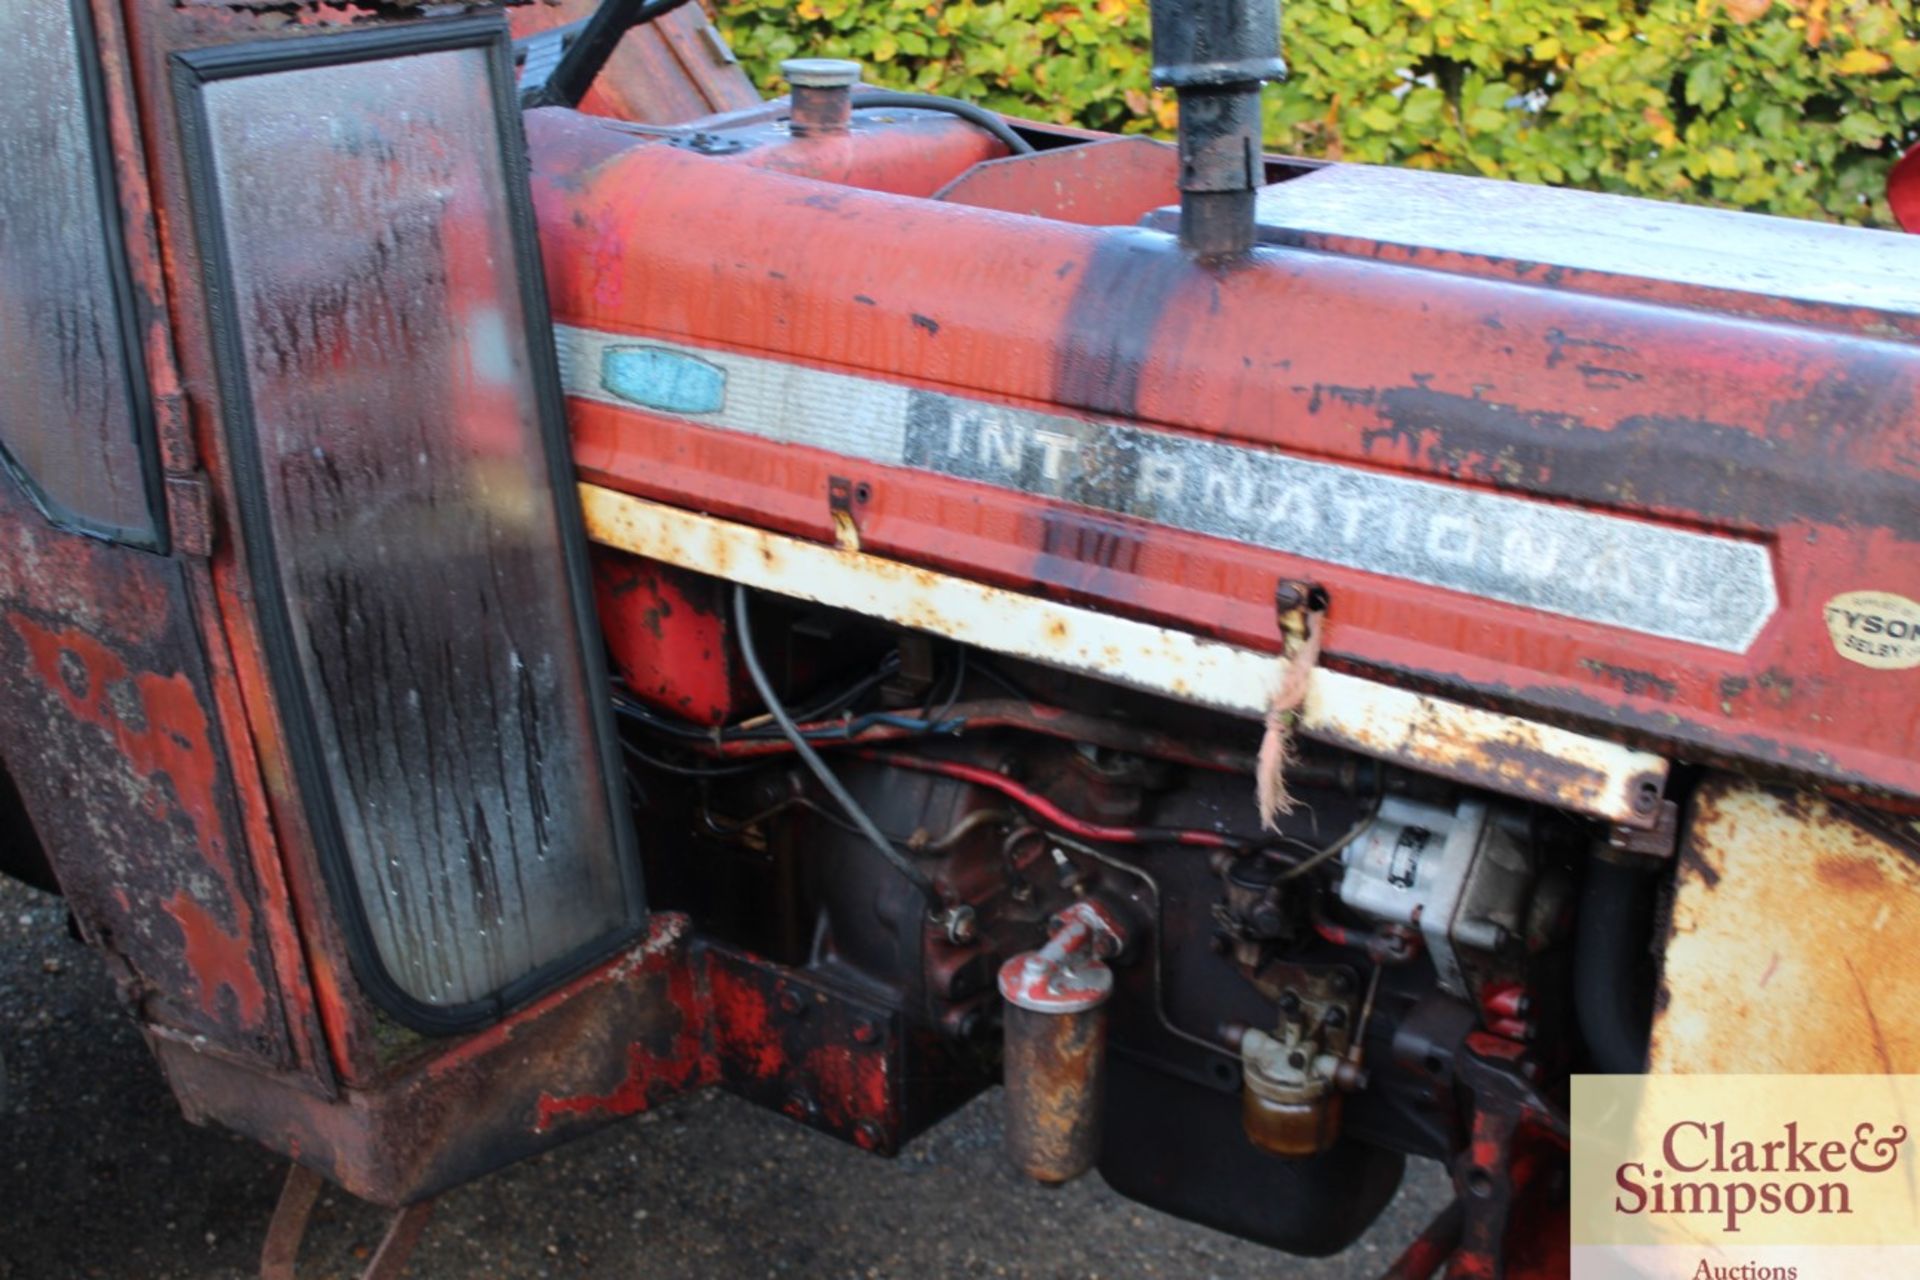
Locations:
{"points": [[868, 1136], [864, 1032], [791, 1003], [1646, 797], [799, 1106], [960, 924], [1290, 594]]}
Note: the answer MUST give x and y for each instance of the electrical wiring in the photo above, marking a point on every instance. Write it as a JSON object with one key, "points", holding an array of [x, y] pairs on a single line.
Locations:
{"points": [[686, 770], [844, 729], [1295, 870], [815, 765], [813, 718], [1052, 812]]}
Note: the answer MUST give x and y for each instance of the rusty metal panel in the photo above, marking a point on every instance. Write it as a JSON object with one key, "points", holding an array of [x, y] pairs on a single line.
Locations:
{"points": [[789, 1042], [113, 741], [670, 1015], [627, 1036], [1481, 748], [1791, 944], [797, 1042], [666, 633]]}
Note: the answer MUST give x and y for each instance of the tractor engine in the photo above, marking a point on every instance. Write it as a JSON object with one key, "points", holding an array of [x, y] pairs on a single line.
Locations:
{"points": [[945, 558], [1247, 1028], [986, 763]]}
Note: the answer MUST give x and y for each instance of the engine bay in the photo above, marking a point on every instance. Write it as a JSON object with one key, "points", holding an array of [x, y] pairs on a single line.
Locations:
{"points": [[1286, 1016]]}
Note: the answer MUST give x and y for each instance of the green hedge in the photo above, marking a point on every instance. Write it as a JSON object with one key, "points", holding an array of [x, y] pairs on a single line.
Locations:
{"points": [[1794, 107]]}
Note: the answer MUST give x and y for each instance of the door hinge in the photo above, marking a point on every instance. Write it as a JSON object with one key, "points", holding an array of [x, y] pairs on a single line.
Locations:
{"points": [[190, 513]]}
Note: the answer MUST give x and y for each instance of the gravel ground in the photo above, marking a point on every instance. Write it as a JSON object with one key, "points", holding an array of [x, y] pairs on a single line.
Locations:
{"points": [[100, 1177]]}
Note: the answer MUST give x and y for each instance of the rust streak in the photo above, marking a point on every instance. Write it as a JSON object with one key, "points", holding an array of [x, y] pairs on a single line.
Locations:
{"points": [[1873, 1022]]}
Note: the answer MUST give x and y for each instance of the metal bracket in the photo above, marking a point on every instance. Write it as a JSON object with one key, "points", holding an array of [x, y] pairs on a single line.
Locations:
{"points": [[842, 493], [1498, 1076], [1659, 841], [1293, 600], [190, 513], [280, 1256]]}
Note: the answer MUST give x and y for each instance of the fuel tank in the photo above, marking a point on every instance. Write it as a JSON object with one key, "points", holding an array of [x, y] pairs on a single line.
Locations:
{"points": [[1640, 470]]}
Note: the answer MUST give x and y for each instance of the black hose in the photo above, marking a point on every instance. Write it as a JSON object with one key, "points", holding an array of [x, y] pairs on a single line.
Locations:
{"points": [[1608, 945], [818, 767], [967, 111]]}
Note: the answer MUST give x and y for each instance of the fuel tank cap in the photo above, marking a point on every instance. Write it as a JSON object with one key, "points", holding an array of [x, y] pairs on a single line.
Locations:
{"points": [[821, 73]]}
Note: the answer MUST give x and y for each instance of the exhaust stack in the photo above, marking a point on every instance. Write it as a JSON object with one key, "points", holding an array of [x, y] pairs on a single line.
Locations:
{"points": [[1215, 55]]}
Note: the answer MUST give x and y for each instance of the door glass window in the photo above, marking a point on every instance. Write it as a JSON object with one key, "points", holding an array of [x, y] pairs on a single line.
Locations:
{"points": [[409, 480], [73, 422]]}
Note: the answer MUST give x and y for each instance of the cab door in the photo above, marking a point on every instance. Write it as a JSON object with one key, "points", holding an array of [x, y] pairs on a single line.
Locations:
{"points": [[402, 493], [111, 725]]}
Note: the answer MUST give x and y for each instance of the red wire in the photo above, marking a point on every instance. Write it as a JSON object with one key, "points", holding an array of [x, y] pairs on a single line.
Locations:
{"points": [[1047, 809], [1337, 935]]}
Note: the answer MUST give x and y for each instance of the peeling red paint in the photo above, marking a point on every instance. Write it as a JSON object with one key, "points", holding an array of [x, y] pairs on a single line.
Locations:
{"points": [[852, 1086], [218, 959], [157, 724], [649, 1081], [744, 1025]]}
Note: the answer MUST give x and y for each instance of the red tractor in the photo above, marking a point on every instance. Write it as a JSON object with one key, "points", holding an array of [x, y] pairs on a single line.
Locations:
{"points": [[536, 582]]}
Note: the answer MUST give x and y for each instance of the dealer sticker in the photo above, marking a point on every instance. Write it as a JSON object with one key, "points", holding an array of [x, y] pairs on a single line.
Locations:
{"points": [[1875, 629]]}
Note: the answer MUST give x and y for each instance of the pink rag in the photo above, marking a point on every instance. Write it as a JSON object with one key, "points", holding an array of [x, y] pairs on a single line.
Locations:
{"points": [[1276, 748]]}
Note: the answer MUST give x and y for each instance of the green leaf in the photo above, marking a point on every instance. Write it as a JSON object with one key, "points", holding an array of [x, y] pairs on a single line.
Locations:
{"points": [[1706, 85], [1862, 129], [1423, 106], [1379, 119]]}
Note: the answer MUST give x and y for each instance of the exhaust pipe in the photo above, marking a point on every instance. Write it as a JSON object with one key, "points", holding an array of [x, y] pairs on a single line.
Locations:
{"points": [[1215, 55]]}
